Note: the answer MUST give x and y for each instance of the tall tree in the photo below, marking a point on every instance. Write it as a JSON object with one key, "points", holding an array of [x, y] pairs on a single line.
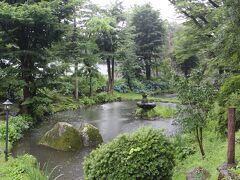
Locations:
{"points": [[188, 46], [149, 35], [108, 40], [28, 29], [129, 66]]}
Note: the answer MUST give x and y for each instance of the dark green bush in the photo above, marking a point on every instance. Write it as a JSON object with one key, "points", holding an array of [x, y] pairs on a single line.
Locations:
{"points": [[141, 86], [17, 126], [220, 112], [144, 154], [87, 101], [229, 95], [231, 85]]}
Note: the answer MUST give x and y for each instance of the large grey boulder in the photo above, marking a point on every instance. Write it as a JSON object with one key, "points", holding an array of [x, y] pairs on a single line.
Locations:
{"points": [[62, 136], [90, 134]]}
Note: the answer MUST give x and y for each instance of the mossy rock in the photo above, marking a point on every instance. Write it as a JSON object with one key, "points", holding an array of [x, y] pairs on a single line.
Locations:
{"points": [[62, 136], [198, 174], [90, 134]]}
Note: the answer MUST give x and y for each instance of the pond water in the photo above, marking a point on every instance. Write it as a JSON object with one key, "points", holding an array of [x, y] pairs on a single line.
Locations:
{"points": [[111, 119]]}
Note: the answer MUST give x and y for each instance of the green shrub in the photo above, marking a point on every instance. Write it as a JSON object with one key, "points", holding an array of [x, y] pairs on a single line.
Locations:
{"points": [[17, 126], [87, 101], [183, 146], [144, 154], [104, 98], [159, 111], [231, 85], [220, 112]]}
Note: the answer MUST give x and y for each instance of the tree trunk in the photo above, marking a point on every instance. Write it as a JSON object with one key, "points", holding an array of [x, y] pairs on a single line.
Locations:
{"points": [[112, 77], [90, 85], [148, 71], [76, 96], [109, 75], [26, 67], [157, 71], [200, 140], [129, 83]]}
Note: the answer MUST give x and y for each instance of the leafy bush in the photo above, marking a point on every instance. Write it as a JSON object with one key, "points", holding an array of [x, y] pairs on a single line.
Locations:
{"points": [[152, 85], [86, 101], [48, 102], [144, 154], [183, 148], [229, 95], [221, 112], [141, 86], [121, 88], [17, 126], [159, 111], [104, 98], [230, 86]]}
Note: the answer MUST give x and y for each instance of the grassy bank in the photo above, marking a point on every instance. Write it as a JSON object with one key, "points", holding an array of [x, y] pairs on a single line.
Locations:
{"points": [[23, 167], [216, 155], [157, 112], [131, 96]]}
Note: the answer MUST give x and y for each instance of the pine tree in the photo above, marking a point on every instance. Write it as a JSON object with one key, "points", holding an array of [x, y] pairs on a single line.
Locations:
{"points": [[149, 36]]}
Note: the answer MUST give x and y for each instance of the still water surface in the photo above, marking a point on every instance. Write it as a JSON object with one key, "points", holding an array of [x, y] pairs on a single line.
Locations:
{"points": [[111, 119]]}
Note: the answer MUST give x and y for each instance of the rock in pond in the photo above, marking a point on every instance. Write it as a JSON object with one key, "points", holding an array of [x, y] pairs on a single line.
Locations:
{"points": [[62, 136], [90, 135]]}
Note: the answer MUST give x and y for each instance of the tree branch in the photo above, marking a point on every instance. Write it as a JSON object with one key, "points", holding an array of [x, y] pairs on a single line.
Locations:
{"points": [[192, 18], [213, 4], [203, 19]]}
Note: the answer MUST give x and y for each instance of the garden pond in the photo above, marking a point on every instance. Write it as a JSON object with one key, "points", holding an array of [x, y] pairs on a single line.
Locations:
{"points": [[111, 119]]}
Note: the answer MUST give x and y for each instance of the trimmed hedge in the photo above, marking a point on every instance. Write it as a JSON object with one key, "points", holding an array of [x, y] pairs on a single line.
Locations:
{"points": [[144, 154]]}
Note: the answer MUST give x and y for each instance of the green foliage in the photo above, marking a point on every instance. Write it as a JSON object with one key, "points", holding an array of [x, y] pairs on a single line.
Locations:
{"points": [[149, 36], [214, 157], [98, 99], [187, 45], [184, 146], [159, 111], [17, 126], [87, 101], [230, 86], [197, 96], [23, 167], [97, 83], [48, 102], [129, 66], [229, 95], [125, 157], [105, 98], [27, 31], [141, 86], [131, 96]]}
